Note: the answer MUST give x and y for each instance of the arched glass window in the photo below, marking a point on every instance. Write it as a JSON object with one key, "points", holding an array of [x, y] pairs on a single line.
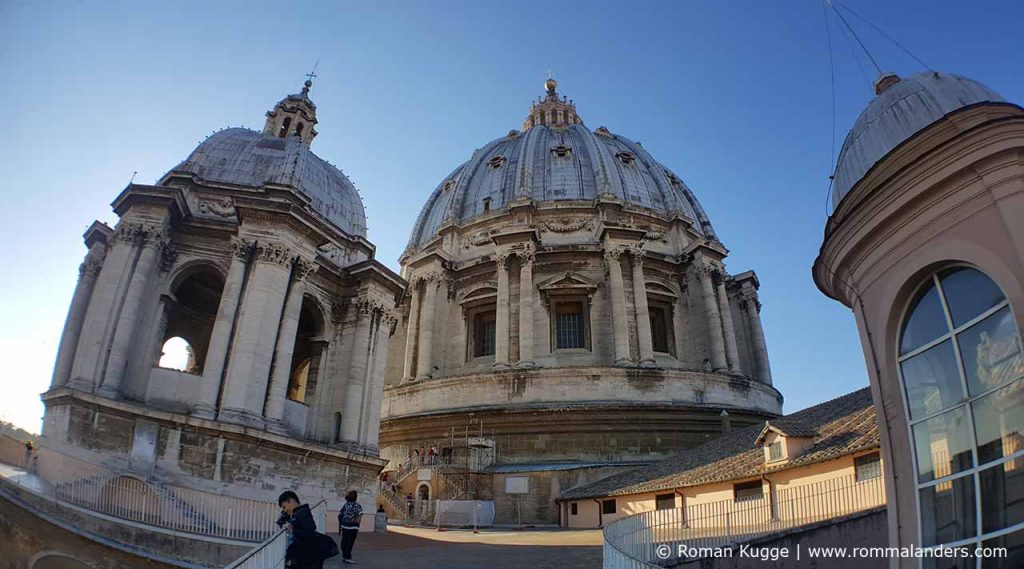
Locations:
{"points": [[961, 366]]}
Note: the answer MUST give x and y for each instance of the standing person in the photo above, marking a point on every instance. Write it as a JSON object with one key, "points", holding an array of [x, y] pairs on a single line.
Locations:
{"points": [[348, 520], [308, 548], [410, 501]]}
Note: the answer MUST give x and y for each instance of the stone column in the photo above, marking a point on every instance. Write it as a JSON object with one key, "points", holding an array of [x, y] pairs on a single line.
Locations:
{"points": [[643, 313], [713, 319], [412, 329], [220, 338], [87, 273], [620, 328], [376, 380], [731, 351], [245, 386], [280, 376], [526, 306], [353, 406], [501, 316], [753, 311], [128, 321], [425, 362], [107, 295]]}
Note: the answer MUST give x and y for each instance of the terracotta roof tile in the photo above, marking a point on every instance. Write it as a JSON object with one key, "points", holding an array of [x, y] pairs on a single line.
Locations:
{"points": [[842, 426]]}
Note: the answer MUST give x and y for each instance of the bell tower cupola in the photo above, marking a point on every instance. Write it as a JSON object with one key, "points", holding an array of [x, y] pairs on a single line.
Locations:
{"points": [[295, 115]]}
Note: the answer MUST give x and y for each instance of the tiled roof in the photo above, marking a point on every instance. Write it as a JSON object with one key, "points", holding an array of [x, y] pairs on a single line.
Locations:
{"points": [[842, 426]]}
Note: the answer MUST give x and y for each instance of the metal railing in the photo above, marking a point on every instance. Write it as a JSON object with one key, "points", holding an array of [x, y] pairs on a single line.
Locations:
{"points": [[171, 507], [74, 481], [639, 541], [271, 553]]}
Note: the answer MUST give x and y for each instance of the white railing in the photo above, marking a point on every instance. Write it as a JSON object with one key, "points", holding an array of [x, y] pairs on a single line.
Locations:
{"points": [[100, 489], [271, 553], [171, 507], [640, 541]]}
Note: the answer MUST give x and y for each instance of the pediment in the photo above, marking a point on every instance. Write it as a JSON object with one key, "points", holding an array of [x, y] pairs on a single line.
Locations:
{"points": [[568, 282], [486, 290]]}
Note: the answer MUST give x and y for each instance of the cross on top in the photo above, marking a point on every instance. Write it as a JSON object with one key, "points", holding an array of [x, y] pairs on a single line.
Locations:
{"points": [[312, 73]]}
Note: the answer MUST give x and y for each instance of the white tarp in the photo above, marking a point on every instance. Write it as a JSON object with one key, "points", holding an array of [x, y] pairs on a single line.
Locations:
{"points": [[464, 513]]}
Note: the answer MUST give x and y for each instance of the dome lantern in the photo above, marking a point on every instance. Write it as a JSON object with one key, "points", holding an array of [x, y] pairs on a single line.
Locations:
{"points": [[551, 110], [295, 115]]}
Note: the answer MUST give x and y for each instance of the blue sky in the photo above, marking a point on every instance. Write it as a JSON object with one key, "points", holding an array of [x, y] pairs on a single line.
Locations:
{"points": [[734, 96]]}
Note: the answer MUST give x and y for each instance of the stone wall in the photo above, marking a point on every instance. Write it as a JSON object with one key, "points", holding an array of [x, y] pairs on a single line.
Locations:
{"points": [[207, 456]]}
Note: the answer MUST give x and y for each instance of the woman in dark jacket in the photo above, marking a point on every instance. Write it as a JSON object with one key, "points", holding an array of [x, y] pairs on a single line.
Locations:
{"points": [[308, 548]]}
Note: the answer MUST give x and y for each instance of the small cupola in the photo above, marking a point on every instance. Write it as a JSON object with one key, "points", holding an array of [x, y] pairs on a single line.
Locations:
{"points": [[784, 440], [551, 109], [295, 115]]}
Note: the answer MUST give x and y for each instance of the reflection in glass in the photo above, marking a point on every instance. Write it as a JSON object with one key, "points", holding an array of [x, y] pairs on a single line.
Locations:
{"points": [[968, 293], [1002, 495], [949, 562], [1014, 544], [991, 352], [999, 422], [943, 445], [947, 511], [927, 321], [932, 379]]}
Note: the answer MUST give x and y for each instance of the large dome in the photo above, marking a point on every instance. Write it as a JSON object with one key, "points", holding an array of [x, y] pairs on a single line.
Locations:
{"points": [[248, 158], [552, 163], [902, 108]]}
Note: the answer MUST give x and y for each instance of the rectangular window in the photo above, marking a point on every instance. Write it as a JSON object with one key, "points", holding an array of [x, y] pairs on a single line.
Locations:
{"points": [[570, 325], [484, 333], [659, 328], [775, 451], [745, 491], [608, 506], [665, 501], [867, 467], [573, 509]]}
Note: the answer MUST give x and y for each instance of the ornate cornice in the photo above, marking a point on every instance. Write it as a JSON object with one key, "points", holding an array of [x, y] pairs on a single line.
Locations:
{"points": [[272, 253], [129, 233]]}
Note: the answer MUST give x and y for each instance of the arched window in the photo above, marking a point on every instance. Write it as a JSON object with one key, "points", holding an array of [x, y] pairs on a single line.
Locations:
{"points": [[284, 127], [961, 366], [178, 354], [298, 129], [306, 353], [189, 319]]}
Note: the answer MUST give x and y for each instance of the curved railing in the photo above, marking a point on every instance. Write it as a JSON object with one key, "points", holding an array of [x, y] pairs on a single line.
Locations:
{"points": [[271, 553], [661, 538]]}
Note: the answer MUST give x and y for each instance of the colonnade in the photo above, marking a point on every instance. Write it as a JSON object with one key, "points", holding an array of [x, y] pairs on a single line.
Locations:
{"points": [[711, 291]]}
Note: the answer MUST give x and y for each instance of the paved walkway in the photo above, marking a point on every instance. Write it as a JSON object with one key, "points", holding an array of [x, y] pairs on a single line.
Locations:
{"points": [[416, 548]]}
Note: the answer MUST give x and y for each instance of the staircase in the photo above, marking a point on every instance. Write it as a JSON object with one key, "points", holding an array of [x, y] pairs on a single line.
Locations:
{"points": [[394, 504]]}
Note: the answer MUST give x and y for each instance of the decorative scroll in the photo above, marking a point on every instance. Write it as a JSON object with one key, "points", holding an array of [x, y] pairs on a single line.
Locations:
{"points": [[215, 207]]}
